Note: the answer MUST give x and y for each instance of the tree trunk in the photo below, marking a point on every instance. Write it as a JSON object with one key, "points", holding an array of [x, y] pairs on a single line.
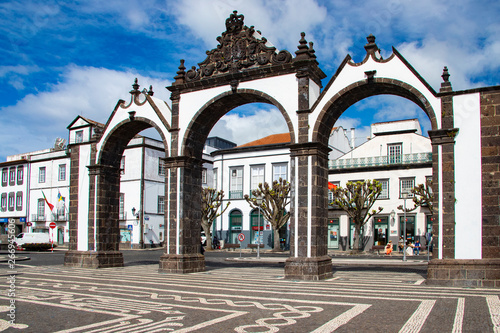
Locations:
{"points": [[357, 235], [276, 246], [207, 229]]}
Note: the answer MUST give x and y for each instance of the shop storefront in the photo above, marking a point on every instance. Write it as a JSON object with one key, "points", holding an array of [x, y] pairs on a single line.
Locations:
{"points": [[333, 233], [410, 228], [257, 227], [380, 230], [235, 226]]}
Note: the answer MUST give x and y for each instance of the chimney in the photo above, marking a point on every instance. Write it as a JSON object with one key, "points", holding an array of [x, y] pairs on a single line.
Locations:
{"points": [[352, 138]]}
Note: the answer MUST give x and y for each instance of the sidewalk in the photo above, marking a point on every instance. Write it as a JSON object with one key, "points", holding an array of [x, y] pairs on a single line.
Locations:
{"points": [[346, 260]]}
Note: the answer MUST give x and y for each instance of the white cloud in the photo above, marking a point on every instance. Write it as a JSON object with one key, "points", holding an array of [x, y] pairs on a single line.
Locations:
{"points": [[279, 21], [35, 121]]}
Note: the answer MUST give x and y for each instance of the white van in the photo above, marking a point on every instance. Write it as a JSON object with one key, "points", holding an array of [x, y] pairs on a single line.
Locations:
{"points": [[32, 238]]}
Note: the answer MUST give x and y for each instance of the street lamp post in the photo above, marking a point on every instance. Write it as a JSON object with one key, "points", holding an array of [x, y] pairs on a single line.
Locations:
{"points": [[404, 195], [258, 199], [139, 220]]}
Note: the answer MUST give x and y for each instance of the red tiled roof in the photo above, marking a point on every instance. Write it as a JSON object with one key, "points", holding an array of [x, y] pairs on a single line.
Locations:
{"points": [[269, 140]]}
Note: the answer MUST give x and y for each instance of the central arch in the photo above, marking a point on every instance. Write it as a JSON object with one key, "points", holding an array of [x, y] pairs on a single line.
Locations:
{"points": [[205, 119]]}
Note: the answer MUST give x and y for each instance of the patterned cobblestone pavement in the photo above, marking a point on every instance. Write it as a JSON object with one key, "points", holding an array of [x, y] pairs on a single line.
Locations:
{"points": [[250, 299]]}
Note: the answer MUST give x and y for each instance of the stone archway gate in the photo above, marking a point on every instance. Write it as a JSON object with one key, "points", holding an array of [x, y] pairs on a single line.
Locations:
{"points": [[246, 68]]}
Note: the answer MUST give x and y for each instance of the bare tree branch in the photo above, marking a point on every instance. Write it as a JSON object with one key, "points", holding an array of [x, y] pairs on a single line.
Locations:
{"points": [[273, 207]]}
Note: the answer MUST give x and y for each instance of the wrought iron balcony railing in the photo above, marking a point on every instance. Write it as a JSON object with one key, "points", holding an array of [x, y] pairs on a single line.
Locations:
{"points": [[361, 162], [38, 218], [235, 194]]}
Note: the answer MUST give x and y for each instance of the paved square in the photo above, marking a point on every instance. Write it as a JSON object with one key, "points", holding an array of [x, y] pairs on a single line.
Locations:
{"points": [[139, 299]]}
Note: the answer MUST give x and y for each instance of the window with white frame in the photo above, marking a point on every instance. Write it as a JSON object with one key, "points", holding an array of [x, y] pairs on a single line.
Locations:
{"points": [[4, 202], [79, 136], [161, 166], [122, 165], [20, 175], [215, 178], [204, 176], [121, 209], [5, 176], [394, 153], [161, 204], [62, 172], [12, 176], [12, 202], [41, 175], [405, 186], [236, 183], [385, 188], [40, 211], [19, 201], [280, 171], [257, 176], [428, 181], [330, 192]]}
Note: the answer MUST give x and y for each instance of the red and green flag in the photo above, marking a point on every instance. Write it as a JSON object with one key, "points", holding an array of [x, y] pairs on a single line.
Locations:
{"points": [[51, 206]]}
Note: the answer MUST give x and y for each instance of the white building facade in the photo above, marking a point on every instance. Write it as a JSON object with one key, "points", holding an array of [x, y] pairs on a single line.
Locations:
{"points": [[400, 158], [239, 170]]}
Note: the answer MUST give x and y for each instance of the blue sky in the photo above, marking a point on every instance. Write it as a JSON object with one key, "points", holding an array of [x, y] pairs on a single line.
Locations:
{"points": [[61, 59]]}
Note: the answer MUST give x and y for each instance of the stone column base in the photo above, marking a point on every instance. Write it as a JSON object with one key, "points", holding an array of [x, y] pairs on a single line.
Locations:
{"points": [[302, 268], [93, 259], [182, 263], [464, 272]]}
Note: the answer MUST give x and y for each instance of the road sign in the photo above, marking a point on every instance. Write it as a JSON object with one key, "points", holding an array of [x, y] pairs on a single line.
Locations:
{"points": [[52, 225], [28, 224], [241, 237]]}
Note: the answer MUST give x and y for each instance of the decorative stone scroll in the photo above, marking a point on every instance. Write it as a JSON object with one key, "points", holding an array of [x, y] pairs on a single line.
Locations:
{"points": [[239, 47]]}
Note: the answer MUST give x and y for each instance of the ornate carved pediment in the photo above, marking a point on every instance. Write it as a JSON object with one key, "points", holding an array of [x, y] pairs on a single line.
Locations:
{"points": [[240, 47]]}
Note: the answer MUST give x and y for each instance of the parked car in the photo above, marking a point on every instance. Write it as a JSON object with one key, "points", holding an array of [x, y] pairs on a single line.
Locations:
{"points": [[32, 238]]}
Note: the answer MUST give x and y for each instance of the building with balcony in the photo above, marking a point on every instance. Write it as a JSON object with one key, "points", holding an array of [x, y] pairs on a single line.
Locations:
{"points": [[400, 158], [239, 170]]}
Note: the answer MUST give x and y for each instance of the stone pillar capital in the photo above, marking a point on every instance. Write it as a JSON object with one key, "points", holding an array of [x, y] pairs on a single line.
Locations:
{"points": [[443, 136], [309, 149]]}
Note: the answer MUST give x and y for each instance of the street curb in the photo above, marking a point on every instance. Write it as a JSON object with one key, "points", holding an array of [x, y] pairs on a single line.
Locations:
{"points": [[338, 262], [6, 259]]}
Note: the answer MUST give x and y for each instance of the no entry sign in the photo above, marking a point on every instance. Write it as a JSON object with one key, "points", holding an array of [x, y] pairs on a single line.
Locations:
{"points": [[52, 225]]}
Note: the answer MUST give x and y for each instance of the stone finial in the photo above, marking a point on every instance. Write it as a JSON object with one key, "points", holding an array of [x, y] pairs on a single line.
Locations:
{"points": [[302, 49], [136, 86], [446, 84], [311, 50], [150, 91], [180, 78], [234, 23], [446, 74], [371, 47]]}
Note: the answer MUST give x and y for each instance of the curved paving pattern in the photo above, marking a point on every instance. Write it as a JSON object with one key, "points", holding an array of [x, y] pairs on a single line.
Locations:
{"points": [[139, 299]]}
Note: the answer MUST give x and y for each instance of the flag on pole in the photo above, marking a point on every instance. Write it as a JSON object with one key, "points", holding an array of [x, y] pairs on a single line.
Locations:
{"points": [[51, 206], [60, 197], [331, 186]]}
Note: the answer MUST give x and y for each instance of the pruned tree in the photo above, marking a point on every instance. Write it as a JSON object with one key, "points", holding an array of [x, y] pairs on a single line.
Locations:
{"points": [[211, 200], [422, 197], [273, 207], [356, 199]]}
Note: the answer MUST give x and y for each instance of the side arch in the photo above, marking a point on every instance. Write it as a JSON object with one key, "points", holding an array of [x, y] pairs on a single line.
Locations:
{"points": [[113, 145], [211, 112], [360, 90]]}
